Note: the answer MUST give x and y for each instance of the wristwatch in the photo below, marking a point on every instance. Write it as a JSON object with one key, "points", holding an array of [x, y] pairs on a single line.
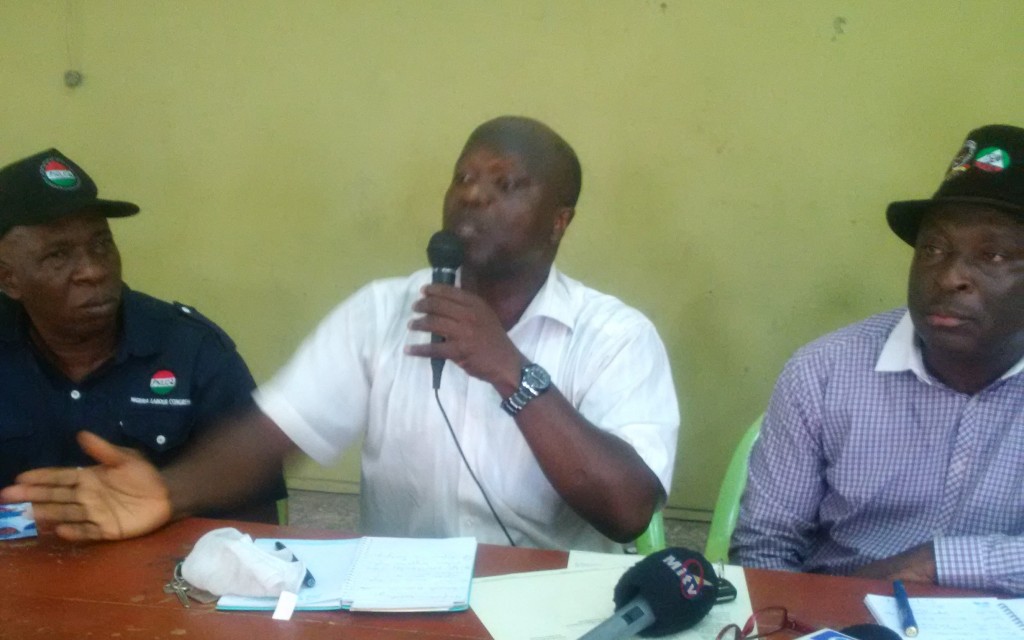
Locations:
{"points": [[533, 381]]}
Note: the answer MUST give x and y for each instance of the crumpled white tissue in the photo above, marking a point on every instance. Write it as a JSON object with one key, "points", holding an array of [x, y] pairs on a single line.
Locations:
{"points": [[226, 561]]}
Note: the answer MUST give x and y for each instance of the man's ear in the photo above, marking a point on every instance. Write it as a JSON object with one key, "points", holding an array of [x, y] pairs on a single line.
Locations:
{"points": [[563, 216], [9, 281]]}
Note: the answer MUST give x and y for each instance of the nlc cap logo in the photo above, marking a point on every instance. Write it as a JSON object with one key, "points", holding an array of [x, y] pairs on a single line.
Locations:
{"points": [[992, 160], [57, 174], [162, 382]]}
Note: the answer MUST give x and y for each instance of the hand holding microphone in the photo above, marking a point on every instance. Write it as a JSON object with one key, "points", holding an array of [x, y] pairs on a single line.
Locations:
{"points": [[464, 328]]}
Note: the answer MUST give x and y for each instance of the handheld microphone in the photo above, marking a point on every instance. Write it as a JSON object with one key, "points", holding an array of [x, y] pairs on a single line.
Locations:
{"points": [[664, 593], [444, 251]]}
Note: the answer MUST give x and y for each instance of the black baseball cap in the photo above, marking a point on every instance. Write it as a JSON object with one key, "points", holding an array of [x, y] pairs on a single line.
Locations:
{"points": [[988, 169], [48, 186]]}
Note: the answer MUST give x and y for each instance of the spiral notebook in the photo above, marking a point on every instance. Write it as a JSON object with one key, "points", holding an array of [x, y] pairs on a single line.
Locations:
{"points": [[954, 618], [376, 574]]}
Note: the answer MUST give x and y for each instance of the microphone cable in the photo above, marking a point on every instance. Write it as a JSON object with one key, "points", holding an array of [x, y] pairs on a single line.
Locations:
{"points": [[437, 396]]}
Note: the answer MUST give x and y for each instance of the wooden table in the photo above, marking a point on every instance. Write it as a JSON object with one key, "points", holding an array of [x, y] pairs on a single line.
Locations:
{"points": [[50, 589]]}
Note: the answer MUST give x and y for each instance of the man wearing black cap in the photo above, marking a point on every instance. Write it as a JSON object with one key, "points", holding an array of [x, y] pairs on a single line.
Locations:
{"points": [[79, 350], [894, 448]]}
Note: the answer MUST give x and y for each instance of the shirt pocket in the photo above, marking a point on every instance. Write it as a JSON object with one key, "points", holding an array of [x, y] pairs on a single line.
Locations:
{"points": [[156, 430], [15, 434]]}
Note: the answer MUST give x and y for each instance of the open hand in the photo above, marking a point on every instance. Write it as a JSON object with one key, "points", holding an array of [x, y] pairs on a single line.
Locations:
{"points": [[122, 497]]}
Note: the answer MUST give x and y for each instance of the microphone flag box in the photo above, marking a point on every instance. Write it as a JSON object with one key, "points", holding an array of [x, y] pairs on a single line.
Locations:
{"points": [[17, 521]]}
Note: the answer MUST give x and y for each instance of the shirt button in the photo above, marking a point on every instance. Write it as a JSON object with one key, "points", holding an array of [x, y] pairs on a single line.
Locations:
{"points": [[186, 310], [161, 439], [75, 394]]}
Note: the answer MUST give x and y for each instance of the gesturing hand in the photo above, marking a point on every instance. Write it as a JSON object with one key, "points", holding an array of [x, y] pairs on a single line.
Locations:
{"points": [[122, 497], [474, 337]]}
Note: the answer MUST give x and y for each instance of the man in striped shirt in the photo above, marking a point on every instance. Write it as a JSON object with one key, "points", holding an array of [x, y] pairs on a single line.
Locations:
{"points": [[894, 448]]}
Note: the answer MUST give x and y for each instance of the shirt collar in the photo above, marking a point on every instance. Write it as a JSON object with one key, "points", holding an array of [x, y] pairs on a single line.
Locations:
{"points": [[140, 336], [554, 300], [903, 353], [12, 319]]}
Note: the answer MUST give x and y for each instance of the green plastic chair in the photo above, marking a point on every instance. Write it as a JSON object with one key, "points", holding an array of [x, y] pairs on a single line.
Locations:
{"points": [[653, 539], [727, 507]]}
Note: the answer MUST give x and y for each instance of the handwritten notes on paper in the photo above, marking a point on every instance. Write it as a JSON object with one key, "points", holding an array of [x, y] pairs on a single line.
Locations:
{"points": [[410, 574], [952, 618]]}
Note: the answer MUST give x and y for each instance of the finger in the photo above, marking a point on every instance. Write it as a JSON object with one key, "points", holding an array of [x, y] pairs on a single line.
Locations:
{"points": [[102, 451], [78, 531], [443, 350], [440, 307], [13, 493], [446, 327], [49, 476], [448, 293], [39, 494], [62, 513]]}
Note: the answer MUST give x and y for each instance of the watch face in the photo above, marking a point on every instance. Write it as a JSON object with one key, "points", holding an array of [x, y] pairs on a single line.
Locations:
{"points": [[535, 377]]}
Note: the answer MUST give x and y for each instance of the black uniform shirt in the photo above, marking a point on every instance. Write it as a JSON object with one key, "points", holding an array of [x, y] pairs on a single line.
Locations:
{"points": [[173, 375]]}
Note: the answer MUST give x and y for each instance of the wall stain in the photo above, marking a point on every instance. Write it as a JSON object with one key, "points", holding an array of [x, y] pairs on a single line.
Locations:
{"points": [[837, 28]]}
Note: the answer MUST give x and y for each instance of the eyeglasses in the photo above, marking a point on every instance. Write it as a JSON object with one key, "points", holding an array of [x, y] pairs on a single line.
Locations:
{"points": [[768, 620]]}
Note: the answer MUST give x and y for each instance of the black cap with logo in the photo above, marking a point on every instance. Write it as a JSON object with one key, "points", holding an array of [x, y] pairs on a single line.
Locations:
{"points": [[989, 170], [48, 186]]}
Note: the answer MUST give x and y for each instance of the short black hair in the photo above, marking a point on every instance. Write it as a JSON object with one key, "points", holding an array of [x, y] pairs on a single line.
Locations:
{"points": [[540, 146]]}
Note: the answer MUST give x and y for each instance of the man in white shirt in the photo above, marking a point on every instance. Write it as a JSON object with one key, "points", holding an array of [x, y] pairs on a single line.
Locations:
{"points": [[560, 397]]}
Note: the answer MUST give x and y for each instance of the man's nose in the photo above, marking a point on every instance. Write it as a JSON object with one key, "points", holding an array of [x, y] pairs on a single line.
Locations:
{"points": [[955, 275], [476, 193], [90, 267]]}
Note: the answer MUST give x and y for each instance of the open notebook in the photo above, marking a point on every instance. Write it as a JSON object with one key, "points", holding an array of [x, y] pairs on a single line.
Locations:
{"points": [[376, 574], [954, 618]]}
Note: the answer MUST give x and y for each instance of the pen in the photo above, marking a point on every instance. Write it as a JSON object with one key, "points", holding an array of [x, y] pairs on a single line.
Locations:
{"points": [[309, 580], [903, 607]]}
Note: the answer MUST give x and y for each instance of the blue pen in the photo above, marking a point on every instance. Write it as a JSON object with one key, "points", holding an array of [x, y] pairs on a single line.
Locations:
{"points": [[309, 580], [903, 607]]}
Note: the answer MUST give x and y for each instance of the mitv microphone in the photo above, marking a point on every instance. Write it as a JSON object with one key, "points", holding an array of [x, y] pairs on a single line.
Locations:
{"points": [[444, 251], [664, 593]]}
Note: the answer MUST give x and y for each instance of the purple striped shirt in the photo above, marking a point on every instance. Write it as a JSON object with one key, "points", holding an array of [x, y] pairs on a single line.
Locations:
{"points": [[856, 464]]}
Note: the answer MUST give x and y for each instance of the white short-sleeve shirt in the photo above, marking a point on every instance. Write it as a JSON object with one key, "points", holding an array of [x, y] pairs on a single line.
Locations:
{"points": [[351, 377]]}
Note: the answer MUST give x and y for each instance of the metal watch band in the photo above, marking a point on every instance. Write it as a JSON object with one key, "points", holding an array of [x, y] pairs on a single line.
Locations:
{"points": [[515, 402], [526, 392]]}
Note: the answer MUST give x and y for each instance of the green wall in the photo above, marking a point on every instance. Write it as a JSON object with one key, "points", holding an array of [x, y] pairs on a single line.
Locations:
{"points": [[737, 155]]}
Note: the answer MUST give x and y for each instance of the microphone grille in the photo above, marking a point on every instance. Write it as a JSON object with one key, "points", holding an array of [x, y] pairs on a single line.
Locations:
{"points": [[444, 250]]}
